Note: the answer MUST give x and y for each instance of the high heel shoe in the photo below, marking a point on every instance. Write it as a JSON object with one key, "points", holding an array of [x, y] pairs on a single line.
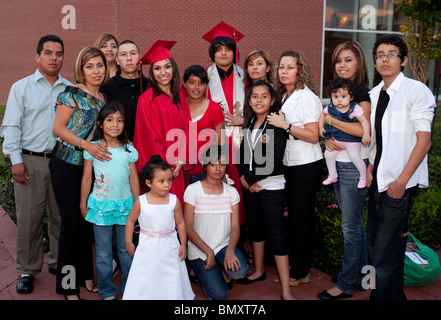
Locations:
{"points": [[249, 281], [296, 282]]}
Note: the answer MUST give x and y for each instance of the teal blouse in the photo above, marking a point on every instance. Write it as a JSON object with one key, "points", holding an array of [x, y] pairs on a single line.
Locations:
{"points": [[82, 123], [111, 200]]}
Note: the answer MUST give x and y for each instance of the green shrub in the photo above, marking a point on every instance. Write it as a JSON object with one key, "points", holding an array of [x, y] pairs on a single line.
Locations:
{"points": [[328, 245], [7, 199], [434, 164], [425, 217]]}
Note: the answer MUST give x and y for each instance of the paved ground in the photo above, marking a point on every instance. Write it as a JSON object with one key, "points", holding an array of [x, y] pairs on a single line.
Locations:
{"points": [[263, 290]]}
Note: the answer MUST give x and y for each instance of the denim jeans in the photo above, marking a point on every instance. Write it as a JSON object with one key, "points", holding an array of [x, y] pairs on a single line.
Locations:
{"points": [[192, 178], [388, 225], [351, 202], [212, 281], [104, 257]]}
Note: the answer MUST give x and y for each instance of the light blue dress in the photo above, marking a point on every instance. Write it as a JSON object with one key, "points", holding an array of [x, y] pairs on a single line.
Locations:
{"points": [[111, 199]]}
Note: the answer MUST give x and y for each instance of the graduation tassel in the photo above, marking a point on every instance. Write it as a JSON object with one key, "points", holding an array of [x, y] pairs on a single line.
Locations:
{"points": [[140, 74], [237, 49]]}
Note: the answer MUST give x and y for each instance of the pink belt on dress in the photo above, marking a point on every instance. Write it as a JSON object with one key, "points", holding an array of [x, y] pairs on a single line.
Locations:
{"points": [[158, 234]]}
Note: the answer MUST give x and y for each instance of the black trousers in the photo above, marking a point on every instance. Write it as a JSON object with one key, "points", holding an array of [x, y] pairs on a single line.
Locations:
{"points": [[75, 255], [265, 216], [302, 184]]}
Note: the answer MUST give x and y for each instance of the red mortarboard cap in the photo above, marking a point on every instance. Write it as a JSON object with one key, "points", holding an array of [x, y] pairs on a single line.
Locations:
{"points": [[223, 30], [160, 50]]}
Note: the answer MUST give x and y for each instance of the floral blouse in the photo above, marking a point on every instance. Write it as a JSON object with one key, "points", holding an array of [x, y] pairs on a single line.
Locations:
{"points": [[82, 123]]}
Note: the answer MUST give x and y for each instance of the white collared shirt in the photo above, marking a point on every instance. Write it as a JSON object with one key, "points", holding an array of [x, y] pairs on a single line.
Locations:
{"points": [[301, 108], [410, 109], [30, 115]]}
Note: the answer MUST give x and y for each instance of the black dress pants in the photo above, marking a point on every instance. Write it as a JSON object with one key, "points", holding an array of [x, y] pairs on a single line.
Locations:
{"points": [[75, 255], [302, 184]]}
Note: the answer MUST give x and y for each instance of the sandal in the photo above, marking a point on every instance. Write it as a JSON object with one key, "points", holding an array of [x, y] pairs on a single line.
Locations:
{"points": [[94, 288], [70, 297]]}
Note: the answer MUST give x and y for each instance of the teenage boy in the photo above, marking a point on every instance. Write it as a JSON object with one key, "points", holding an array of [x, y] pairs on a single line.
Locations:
{"points": [[28, 142], [226, 87], [126, 86], [401, 116]]}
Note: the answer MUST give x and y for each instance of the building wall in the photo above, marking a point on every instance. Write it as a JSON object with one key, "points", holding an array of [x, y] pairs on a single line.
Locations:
{"points": [[273, 26]]}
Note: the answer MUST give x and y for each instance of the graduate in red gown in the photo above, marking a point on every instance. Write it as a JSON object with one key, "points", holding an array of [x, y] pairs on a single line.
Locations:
{"points": [[161, 125], [227, 89]]}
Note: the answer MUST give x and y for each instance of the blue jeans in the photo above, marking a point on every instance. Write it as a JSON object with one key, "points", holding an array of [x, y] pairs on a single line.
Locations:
{"points": [[388, 225], [104, 257], [192, 178], [212, 281], [351, 202]]}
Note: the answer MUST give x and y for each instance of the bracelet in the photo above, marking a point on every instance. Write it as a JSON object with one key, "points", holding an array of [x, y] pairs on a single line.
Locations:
{"points": [[399, 184], [79, 143], [289, 128], [329, 121]]}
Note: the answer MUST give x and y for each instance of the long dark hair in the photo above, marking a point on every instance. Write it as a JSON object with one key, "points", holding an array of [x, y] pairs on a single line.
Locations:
{"points": [[248, 82], [249, 114], [361, 75], [174, 85], [109, 109]]}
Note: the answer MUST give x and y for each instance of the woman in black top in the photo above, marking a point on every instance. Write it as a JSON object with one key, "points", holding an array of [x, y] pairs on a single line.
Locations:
{"points": [[261, 174], [348, 61]]}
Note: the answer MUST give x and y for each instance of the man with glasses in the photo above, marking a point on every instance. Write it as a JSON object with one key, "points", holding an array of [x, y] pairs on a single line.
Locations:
{"points": [[401, 116]]}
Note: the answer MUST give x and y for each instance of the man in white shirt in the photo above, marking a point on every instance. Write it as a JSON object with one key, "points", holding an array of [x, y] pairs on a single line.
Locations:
{"points": [[28, 142], [402, 112]]}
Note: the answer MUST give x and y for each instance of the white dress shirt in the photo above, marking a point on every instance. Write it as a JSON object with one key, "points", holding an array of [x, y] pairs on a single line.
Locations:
{"points": [[30, 115], [410, 109], [301, 108]]}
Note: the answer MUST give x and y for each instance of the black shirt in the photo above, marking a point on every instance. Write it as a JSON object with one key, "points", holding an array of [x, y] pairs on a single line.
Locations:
{"points": [[224, 74], [383, 101], [362, 94], [126, 92]]}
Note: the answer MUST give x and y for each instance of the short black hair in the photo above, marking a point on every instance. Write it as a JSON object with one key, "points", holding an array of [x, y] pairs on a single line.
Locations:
{"points": [[148, 170], [47, 38], [342, 83], [393, 40], [128, 42], [213, 153], [219, 42], [196, 70]]}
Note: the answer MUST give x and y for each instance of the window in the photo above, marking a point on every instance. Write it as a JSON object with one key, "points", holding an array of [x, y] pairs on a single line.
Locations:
{"points": [[359, 20]]}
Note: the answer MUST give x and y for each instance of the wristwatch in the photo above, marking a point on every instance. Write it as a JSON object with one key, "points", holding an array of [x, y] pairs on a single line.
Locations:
{"points": [[289, 128]]}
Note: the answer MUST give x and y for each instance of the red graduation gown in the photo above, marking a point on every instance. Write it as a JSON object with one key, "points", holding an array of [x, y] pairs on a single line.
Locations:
{"points": [[154, 119]]}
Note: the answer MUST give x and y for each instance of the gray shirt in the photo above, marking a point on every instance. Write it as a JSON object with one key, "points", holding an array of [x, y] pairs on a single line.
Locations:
{"points": [[30, 115]]}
